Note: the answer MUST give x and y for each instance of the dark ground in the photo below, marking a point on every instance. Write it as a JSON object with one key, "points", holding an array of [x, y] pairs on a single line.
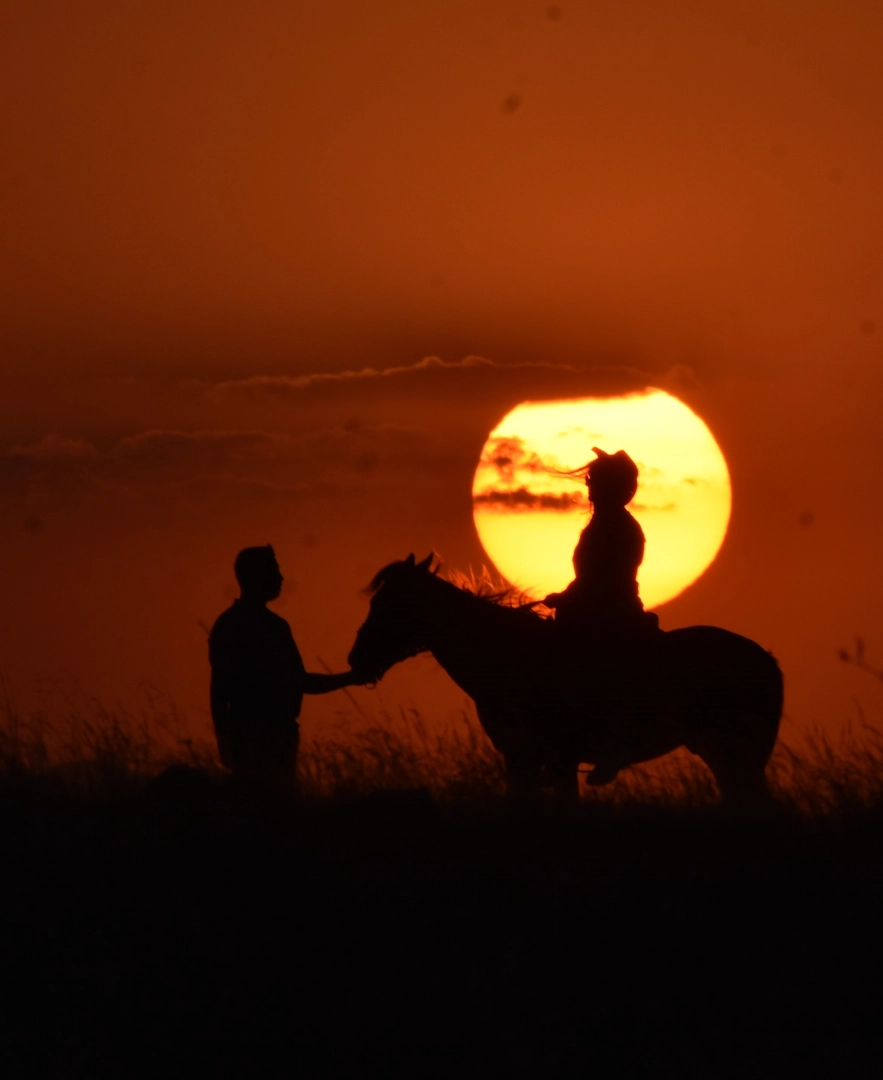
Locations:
{"points": [[165, 933]]}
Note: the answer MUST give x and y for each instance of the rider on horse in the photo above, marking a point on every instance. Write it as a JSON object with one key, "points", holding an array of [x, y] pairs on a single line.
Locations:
{"points": [[600, 609]]}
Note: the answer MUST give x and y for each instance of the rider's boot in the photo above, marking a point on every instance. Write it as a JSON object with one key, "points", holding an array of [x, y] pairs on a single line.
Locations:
{"points": [[610, 756], [605, 771]]}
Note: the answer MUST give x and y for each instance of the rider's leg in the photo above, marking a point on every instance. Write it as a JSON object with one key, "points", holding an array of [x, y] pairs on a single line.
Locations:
{"points": [[605, 771], [611, 753]]}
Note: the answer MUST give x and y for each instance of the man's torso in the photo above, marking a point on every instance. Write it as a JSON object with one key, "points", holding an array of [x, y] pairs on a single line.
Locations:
{"points": [[252, 651]]}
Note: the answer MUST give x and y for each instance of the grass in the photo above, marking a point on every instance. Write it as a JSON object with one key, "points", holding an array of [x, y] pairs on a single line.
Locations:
{"points": [[84, 748], [454, 933], [80, 746]]}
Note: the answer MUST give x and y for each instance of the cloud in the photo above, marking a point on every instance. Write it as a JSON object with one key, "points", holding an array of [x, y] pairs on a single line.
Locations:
{"points": [[522, 499], [433, 377], [55, 463], [367, 447], [507, 456], [54, 448], [177, 464], [286, 386], [158, 447]]}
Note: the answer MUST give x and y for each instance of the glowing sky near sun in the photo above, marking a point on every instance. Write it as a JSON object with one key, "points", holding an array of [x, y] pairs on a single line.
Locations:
{"points": [[529, 520], [272, 272]]}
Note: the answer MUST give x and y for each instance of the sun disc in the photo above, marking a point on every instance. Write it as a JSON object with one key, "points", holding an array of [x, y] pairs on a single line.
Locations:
{"points": [[529, 519]]}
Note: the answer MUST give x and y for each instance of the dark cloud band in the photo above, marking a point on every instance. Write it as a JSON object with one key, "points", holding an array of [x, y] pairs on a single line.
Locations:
{"points": [[522, 499]]}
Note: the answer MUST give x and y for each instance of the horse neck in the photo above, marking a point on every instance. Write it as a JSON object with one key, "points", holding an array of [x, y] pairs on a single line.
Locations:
{"points": [[460, 629], [444, 610]]}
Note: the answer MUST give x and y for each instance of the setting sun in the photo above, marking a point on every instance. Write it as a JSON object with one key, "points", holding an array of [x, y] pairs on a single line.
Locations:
{"points": [[529, 519]]}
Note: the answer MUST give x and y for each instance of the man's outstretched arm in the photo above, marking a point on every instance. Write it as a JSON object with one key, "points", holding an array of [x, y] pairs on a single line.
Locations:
{"points": [[324, 684]]}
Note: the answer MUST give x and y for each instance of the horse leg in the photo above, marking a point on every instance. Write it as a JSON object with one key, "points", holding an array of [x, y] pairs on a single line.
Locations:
{"points": [[523, 776], [513, 737], [742, 785]]}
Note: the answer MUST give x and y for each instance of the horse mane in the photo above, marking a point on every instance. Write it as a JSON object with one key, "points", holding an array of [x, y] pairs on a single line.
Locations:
{"points": [[481, 585]]}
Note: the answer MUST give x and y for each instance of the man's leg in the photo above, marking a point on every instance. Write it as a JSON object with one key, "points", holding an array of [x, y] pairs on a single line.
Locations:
{"points": [[280, 759]]}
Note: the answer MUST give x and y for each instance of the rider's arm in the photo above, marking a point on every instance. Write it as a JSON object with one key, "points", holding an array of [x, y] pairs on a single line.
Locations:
{"points": [[554, 599]]}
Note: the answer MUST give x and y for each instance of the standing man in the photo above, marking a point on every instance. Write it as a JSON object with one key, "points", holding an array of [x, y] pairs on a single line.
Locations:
{"points": [[258, 678]]}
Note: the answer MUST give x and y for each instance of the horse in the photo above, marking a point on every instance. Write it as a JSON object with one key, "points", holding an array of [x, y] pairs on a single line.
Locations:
{"points": [[547, 707]]}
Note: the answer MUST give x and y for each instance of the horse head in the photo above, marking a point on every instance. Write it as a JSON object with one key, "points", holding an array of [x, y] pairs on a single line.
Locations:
{"points": [[394, 628]]}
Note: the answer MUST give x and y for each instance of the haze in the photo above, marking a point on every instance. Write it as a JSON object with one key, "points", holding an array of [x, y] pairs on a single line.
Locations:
{"points": [[212, 212]]}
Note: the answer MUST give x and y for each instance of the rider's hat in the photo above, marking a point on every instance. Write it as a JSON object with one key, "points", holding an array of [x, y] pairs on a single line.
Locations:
{"points": [[616, 473]]}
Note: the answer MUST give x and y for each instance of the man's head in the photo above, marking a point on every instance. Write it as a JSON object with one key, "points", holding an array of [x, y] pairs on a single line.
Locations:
{"points": [[612, 479], [258, 573]]}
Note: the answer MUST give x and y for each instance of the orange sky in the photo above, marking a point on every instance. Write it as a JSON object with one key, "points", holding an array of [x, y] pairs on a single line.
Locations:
{"points": [[212, 210]]}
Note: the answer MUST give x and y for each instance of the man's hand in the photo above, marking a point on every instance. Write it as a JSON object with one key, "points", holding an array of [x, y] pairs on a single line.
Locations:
{"points": [[363, 678], [315, 683]]}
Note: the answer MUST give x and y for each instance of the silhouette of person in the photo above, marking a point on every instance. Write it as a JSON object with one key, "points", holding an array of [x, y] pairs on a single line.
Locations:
{"points": [[258, 679], [600, 610], [604, 592]]}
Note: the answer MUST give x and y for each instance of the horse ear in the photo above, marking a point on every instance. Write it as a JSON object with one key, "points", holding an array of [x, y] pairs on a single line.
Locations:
{"points": [[410, 560], [424, 564]]}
